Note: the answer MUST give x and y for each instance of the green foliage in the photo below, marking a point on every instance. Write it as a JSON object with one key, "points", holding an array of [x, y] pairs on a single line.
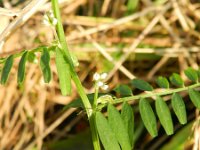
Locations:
{"points": [[132, 5], [164, 115], [21, 68], [128, 119], [77, 103], [31, 57], [64, 74], [6, 69], [123, 90], [118, 127], [45, 66], [162, 82], [148, 117], [176, 80], [83, 138], [178, 106], [142, 85], [195, 97], [106, 134], [177, 142], [191, 74]]}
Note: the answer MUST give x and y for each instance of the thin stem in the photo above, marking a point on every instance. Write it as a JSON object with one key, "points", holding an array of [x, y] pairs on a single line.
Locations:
{"points": [[84, 98], [152, 94], [95, 97], [62, 40]]}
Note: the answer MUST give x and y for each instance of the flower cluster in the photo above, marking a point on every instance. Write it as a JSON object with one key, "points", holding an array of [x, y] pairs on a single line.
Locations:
{"points": [[98, 78], [49, 19]]}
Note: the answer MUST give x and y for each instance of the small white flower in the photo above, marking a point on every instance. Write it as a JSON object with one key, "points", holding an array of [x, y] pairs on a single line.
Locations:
{"points": [[54, 21], [51, 15], [103, 76], [46, 22], [96, 77], [100, 83], [45, 17], [49, 19], [104, 87]]}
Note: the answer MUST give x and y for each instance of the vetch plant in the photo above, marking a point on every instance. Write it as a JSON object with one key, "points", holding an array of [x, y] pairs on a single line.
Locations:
{"points": [[116, 131]]}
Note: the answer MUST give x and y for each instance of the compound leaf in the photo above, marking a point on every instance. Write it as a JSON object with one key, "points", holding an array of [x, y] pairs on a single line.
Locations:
{"points": [[148, 117]]}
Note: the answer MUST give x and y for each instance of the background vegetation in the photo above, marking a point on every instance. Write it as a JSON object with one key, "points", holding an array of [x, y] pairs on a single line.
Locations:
{"points": [[126, 38]]}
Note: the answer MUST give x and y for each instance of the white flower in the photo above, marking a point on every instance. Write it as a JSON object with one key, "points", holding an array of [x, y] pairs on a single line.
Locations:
{"points": [[104, 87], [54, 21], [96, 77], [49, 19], [100, 84], [46, 22], [103, 76], [51, 15]]}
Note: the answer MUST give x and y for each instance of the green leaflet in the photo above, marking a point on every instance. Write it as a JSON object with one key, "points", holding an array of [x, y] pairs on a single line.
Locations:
{"points": [[142, 85], [64, 74], [162, 82], [45, 66], [195, 97], [106, 134], [6, 69], [198, 72], [178, 106], [164, 115], [191, 74], [123, 90], [148, 117], [179, 140], [22, 68], [31, 57], [176, 80], [118, 127], [128, 119]]}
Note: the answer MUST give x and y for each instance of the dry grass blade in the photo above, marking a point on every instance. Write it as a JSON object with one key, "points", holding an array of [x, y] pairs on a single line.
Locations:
{"points": [[107, 56]]}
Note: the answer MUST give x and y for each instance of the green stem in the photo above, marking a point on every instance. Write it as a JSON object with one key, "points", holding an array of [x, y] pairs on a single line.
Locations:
{"points": [[94, 106], [62, 40], [152, 94], [85, 100]]}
